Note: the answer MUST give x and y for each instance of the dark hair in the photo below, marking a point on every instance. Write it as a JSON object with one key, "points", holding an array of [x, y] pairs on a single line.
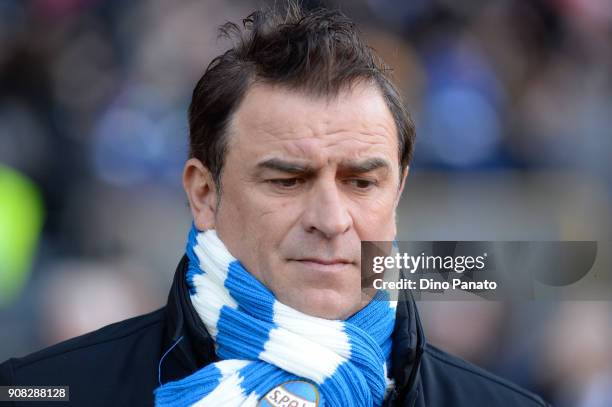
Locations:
{"points": [[318, 52]]}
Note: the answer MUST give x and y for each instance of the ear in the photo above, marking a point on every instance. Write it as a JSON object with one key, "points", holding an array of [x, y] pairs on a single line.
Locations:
{"points": [[402, 185], [397, 199], [201, 192]]}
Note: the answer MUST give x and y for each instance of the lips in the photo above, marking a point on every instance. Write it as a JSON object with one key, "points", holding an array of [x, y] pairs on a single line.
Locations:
{"points": [[324, 261], [324, 265]]}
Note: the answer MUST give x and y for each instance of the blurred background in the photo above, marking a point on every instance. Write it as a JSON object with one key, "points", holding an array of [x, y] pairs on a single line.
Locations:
{"points": [[513, 106]]}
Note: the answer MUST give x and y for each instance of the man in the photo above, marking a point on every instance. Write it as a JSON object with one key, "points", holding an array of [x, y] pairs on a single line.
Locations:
{"points": [[300, 148]]}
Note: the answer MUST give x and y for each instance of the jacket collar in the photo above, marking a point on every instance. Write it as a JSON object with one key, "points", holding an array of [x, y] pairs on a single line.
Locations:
{"points": [[408, 345], [194, 347]]}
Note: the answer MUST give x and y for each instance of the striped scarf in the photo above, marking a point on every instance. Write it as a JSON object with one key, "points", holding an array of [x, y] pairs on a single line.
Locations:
{"points": [[263, 343]]}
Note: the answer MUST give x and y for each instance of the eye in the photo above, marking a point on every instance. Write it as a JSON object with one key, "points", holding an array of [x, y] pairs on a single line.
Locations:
{"points": [[362, 184], [286, 183]]}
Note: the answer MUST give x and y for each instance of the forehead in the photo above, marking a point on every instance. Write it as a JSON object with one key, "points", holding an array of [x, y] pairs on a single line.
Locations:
{"points": [[276, 120]]}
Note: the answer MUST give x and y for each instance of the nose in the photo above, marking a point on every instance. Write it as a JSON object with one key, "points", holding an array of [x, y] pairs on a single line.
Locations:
{"points": [[326, 211]]}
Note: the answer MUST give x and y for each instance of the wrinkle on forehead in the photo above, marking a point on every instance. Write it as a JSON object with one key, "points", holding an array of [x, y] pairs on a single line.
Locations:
{"points": [[335, 147], [273, 118]]}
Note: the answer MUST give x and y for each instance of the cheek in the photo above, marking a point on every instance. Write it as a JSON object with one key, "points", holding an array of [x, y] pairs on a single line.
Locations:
{"points": [[377, 229], [258, 226], [236, 225], [275, 221], [375, 221]]}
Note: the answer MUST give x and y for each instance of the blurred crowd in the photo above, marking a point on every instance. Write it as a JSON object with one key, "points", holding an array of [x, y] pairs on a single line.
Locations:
{"points": [[512, 102]]}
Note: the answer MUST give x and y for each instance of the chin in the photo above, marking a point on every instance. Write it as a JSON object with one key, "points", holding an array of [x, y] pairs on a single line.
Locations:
{"points": [[328, 304]]}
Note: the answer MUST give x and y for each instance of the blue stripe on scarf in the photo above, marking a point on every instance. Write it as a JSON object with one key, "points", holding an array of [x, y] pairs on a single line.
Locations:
{"points": [[240, 335], [257, 301], [253, 372], [190, 389], [194, 265]]}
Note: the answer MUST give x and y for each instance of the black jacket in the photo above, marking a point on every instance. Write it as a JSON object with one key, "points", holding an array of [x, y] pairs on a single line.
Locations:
{"points": [[119, 365]]}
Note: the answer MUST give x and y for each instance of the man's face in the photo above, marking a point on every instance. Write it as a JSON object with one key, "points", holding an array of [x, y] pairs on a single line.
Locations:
{"points": [[305, 180]]}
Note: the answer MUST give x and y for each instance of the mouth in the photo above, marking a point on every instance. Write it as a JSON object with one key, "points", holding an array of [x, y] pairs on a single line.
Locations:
{"points": [[324, 265]]}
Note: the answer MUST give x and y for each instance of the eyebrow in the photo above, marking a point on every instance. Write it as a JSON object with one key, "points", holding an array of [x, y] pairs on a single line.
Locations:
{"points": [[357, 167], [285, 166], [367, 165]]}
